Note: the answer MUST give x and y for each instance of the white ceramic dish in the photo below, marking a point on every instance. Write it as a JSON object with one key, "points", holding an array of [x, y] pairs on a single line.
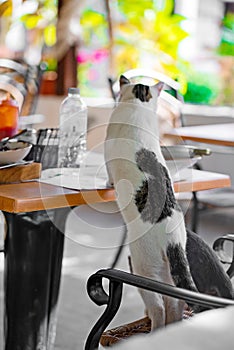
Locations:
{"points": [[180, 157], [174, 166], [17, 151]]}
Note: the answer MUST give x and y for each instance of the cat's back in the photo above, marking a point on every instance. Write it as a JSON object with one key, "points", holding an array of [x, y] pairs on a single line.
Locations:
{"points": [[131, 120]]}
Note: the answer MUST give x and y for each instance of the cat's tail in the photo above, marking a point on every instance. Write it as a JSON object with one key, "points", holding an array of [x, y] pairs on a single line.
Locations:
{"points": [[206, 269]]}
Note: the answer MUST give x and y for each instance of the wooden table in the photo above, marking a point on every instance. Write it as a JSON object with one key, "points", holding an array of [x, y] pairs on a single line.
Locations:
{"points": [[214, 134], [36, 214], [219, 137], [35, 196]]}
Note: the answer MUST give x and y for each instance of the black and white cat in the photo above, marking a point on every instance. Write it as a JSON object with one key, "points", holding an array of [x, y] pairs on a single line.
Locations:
{"points": [[145, 196]]}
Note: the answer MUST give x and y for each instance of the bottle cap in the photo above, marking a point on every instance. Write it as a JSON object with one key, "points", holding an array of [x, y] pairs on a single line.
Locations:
{"points": [[73, 90]]}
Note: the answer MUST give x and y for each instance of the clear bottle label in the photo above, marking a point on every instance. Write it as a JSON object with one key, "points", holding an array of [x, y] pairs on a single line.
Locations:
{"points": [[72, 139]]}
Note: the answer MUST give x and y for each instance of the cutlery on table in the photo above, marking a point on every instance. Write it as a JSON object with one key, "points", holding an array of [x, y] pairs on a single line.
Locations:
{"points": [[4, 141]]}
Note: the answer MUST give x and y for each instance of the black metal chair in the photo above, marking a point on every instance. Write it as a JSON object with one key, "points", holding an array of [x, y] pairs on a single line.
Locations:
{"points": [[214, 199], [133, 74], [117, 278], [112, 301], [220, 247]]}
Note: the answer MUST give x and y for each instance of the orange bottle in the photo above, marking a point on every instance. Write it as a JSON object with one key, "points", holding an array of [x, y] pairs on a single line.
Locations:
{"points": [[9, 117]]}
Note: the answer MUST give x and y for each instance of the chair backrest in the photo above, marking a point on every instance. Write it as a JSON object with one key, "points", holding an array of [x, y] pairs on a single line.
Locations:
{"points": [[143, 73], [15, 89], [22, 82]]}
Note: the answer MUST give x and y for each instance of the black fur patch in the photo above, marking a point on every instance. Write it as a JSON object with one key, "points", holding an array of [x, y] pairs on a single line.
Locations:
{"points": [[142, 92], [141, 196], [155, 198], [180, 267]]}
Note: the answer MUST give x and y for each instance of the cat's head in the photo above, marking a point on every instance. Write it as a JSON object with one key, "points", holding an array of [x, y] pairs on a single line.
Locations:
{"points": [[144, 93]]}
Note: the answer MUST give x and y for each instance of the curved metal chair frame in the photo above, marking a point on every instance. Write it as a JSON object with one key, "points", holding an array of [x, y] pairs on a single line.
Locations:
{"points": [[219, 245], [173, 98], [117, 278], [113, 300], [22, 81]]}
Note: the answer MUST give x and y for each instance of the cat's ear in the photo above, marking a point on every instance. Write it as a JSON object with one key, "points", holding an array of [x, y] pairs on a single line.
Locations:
{"points": [[159, 86], [123, 81]]}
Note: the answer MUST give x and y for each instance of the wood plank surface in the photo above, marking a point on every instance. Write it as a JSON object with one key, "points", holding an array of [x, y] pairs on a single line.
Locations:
{"points": [[196, 180], [34, 195], [217, 134]]}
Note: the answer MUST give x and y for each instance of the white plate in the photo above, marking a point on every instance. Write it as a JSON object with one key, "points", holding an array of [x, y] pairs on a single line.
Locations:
{"points": [[179, 157], [17, 152], [174, 166]]}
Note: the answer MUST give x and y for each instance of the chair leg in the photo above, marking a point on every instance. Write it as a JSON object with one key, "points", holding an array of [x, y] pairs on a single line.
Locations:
{"points": [[194, 213]]}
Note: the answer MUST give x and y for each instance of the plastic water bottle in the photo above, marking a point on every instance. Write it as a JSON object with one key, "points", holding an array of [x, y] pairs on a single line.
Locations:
{"points": [[72, 130]]}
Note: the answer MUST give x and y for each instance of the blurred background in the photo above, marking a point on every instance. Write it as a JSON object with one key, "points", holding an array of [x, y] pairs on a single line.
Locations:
{"points": [[82, 42]]}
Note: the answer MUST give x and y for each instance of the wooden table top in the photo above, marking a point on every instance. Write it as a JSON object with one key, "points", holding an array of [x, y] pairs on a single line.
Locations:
{"points": [[217, 134], [34, 196]]}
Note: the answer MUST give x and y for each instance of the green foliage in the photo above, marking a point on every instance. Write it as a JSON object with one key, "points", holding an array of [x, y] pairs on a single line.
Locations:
{"points": [[134, 9], [94, 26], [144, 30], [202, 88], [152, 28], [226, 46], [44, 15]]}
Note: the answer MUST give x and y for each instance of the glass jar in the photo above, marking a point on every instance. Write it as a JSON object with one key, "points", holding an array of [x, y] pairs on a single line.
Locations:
{"points": [[9, 118]]}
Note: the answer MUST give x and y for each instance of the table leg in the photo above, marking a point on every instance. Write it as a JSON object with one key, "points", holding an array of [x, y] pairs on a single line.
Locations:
{"points": [[33, 260], [195, 213]]}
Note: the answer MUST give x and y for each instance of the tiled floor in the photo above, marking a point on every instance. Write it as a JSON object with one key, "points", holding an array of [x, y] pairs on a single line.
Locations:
{"points": [[94, 248]]}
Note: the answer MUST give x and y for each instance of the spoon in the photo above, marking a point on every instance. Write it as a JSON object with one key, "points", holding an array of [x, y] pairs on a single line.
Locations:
{"points": [[4, 141]]}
